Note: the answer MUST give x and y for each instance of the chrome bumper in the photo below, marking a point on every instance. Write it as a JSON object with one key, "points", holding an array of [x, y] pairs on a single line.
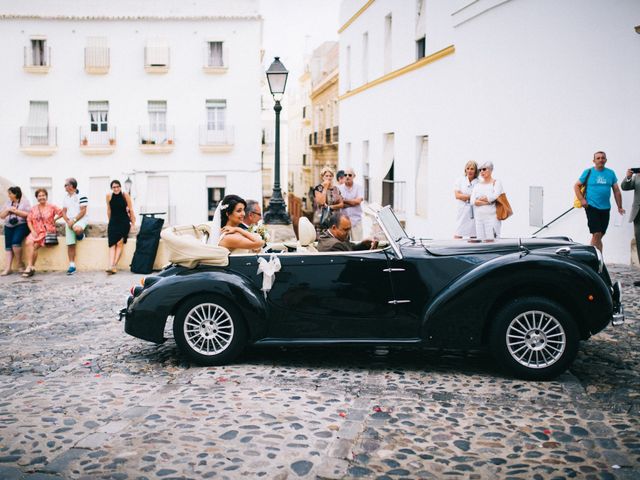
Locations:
{"points": [[618, 310]]}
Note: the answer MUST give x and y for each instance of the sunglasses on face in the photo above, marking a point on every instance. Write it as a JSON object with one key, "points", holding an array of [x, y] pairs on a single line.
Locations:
{"points": [[348, 174], [483, 169], [256, 213]]}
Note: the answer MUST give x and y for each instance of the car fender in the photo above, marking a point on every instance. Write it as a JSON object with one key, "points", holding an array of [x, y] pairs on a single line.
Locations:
{"points": [[149, 311], [465, 307]]}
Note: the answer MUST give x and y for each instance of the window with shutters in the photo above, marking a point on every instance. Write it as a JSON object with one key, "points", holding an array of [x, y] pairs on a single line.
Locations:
{"points": [[156, 56]]}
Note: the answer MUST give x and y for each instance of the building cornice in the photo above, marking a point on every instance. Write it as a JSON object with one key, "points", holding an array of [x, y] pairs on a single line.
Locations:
{"points": [[131, 18], [355, 16], [401, 71], [326, 84]]}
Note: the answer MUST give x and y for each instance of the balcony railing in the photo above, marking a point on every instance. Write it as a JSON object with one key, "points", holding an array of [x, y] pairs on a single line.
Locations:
{"points": [[155, 140], [96, 60], [154, 136], [325, 137], [39, 140], [216, 140], [98, 143], [37, 61]]}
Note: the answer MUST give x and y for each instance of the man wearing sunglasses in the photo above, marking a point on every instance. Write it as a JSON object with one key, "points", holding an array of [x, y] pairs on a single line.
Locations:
{"points": [[252, 214], [352, 195]]}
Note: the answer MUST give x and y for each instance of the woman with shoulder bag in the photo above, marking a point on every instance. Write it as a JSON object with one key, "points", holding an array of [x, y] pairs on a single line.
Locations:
{"points": [[14, 215], [121, 220], [483, 198], [327, 198], [42, 223]]}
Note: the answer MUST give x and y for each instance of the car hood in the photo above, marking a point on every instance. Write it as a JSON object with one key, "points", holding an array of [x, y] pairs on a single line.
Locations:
{"points": [[502, 246]]}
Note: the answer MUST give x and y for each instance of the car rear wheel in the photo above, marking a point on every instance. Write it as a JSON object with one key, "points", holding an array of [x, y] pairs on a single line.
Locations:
{"points": [[534, 338], [209, 330]]}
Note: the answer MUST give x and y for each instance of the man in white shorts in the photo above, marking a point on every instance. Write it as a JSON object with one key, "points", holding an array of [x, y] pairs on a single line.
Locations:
{"points": [[74, 213]]}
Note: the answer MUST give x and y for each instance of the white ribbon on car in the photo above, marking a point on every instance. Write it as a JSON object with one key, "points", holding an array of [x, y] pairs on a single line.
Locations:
{"points": [[268, 270]]}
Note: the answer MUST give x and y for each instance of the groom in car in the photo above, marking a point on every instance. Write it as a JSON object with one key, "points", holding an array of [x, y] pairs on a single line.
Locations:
{"points": [[336, 237], [252, 214]]}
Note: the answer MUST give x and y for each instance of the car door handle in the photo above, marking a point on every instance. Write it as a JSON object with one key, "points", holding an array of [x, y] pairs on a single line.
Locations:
{"points": [[393, 270], [395, 302]]}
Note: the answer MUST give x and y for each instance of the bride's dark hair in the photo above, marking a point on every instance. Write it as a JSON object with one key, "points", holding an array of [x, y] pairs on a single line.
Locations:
{"points": [[229, 204]]}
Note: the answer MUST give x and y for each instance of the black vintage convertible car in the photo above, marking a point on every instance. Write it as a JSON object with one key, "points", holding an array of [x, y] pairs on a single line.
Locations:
{"points": [[528, 301]]}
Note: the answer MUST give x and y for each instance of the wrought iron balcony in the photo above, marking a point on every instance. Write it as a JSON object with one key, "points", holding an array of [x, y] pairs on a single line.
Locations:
{"points": [[156, 140], [216, 140], [39, 140], [97, 142]]}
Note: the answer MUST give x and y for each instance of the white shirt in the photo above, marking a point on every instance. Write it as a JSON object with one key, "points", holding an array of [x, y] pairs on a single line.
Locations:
{"points": [[353, 212], [73, 203]]}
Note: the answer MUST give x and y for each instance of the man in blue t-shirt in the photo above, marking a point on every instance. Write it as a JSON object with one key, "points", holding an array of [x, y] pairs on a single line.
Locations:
{"points": [[599, 182]]}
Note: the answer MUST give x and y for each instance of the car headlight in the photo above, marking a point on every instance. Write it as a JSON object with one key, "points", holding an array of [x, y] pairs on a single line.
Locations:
{"points": [[600, 259]]}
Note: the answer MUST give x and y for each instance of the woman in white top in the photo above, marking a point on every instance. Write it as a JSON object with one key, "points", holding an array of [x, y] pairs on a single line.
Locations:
{"points": [[233, 237], [465, 224], [483, 199]]}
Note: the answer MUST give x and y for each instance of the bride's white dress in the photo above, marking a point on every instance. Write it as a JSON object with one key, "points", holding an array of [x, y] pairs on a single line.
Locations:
{"points": [[234, 251]]}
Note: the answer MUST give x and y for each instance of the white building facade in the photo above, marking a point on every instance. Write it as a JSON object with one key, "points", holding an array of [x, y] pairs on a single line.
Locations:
{"points": [[164, 93], [534, 86]]}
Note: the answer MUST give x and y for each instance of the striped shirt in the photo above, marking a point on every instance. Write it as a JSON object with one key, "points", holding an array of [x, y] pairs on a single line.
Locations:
{"points": [[73, 203]]}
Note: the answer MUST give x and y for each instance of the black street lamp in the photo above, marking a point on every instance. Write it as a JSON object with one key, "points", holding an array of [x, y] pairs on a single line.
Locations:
{"points": [[276, 213]]}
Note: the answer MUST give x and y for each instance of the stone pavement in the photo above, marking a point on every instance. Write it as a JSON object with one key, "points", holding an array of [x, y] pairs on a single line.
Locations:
{"points": [[80, 399]]}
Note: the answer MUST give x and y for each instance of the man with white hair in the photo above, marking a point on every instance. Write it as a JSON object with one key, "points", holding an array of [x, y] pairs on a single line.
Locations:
{"points": [[353, 195]]}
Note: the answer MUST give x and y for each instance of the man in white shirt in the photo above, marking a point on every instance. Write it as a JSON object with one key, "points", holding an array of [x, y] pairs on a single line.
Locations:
{"points": [[352, 195], [74, 213]]}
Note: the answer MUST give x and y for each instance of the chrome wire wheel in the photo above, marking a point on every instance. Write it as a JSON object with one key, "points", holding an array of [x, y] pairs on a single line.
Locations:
{"points": [[208, 329], [536, 339]]}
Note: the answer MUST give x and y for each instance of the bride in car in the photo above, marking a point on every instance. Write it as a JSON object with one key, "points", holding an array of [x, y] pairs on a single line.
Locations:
{"points": [[227, 231]]}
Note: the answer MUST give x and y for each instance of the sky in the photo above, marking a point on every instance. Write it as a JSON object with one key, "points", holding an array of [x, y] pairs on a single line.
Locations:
{"points": [[293, 28]]}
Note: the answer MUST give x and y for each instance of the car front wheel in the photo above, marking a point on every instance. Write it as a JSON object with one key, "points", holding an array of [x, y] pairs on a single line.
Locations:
{"points": [[534, 338], [209, 330]]}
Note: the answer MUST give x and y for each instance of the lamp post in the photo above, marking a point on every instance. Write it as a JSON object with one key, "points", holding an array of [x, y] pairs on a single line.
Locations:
{"points": [[127, 185], [276, 213]]}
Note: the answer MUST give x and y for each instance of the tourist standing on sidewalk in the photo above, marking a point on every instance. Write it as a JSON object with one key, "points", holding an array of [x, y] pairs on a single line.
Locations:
{"points": [[632, 182], [41, 220], [462, 189], [14, 213], [121, 220], [327, 199], [352, 196], [74, 213], [599, 182], [483, 199]]}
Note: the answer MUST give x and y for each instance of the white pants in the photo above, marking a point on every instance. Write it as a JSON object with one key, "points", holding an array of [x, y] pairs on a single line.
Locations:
{"points": [[356, 232], [487, 228]]}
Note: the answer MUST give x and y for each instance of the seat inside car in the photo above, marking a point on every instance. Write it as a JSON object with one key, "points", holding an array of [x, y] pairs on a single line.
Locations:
{"points": [[306, 236]]}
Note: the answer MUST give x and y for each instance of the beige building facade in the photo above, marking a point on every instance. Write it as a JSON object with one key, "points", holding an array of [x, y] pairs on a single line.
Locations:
{"points": [[324, 109]]}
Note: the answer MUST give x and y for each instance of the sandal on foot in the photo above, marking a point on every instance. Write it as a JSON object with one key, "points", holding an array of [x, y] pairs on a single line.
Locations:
{"points": [[29, 273]]}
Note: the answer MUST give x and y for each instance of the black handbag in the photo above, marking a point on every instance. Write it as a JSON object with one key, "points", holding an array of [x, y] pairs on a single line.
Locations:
{"points": [[51, 239], [325, 215]]}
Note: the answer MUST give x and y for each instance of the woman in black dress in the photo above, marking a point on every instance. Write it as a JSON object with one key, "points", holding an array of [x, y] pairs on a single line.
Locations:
{"points": [[121, 219]]}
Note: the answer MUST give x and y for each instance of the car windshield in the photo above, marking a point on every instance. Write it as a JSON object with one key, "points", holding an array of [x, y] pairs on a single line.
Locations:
{"points": [[391, 225]]}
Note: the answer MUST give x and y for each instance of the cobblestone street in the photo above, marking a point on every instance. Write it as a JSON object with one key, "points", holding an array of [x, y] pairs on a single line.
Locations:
{"points": [[81, 399]]}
